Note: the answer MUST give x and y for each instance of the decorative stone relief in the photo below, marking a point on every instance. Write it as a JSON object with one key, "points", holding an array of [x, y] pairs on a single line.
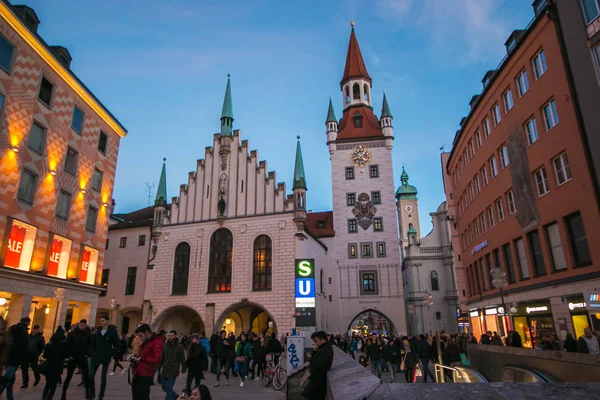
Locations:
{"points": [[281, 224], [364, 211], [223, 183], [199, 232], [243, 228], [166, 236]]}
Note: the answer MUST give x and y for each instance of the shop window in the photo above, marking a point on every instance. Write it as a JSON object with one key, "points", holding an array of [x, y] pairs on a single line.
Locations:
{"points": [[19, 249], [60, 252], [87, 268]]}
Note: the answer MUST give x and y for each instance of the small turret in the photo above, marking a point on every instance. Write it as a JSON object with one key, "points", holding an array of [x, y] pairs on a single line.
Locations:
{"points": [[160, 203], [332, 128], [226, 126], [299, 189], [386, 121]]}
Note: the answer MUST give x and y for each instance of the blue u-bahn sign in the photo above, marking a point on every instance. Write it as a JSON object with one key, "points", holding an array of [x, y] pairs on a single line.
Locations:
{"points": [[305, 293]]}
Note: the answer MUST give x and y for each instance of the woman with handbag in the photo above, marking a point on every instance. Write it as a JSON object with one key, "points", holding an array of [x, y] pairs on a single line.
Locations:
{"points": [[409, 362], [54, 354], [242, 357]]}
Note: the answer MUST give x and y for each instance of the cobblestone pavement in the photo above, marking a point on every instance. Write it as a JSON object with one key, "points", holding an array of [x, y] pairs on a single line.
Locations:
{"points": [[118, 389]]}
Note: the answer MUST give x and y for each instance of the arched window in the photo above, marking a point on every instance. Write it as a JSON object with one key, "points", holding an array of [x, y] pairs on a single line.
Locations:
{"points": [[356, 91], [366, 92], [321, 281], [347, 95], [220, 260], [263, 263], [435, 285], [181, 269]]}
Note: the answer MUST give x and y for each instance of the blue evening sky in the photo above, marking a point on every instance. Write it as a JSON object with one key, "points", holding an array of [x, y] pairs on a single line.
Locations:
{"points": [[160, 66]]}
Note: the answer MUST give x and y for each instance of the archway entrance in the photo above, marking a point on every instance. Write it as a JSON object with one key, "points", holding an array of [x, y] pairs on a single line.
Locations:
{"points": [[244, 317], [371, 322], [182, 319]]}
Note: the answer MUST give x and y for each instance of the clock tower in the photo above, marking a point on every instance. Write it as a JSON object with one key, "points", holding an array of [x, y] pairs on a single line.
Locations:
{"points": [[408, 210], [364, 209]]}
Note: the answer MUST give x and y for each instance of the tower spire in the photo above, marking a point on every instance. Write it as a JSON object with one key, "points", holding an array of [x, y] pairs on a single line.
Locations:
{"points": [[385, 108], [227, 112], [299, 177], [161, 193], [331, 113], [355, 65]]}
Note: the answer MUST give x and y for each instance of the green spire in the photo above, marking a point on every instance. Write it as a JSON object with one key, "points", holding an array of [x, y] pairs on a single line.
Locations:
{"points": [[411, 229], [404, 177], [161, 193], [385, 108], [331, 113], [227, 112], [299, 178]]}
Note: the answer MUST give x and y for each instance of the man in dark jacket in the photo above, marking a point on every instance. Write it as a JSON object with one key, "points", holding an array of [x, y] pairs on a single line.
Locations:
{"points": [[173, 359], [78, 346], [487, 338], [17, 355], [320, 364], [214, 342], [425, 354], [374, 351], [105, 344], [35, 348], [588, 343], [223, 360]]}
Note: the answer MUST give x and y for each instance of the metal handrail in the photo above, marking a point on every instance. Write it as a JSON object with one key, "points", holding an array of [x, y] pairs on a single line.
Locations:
{"points": [[538, 376], [460, 374]]}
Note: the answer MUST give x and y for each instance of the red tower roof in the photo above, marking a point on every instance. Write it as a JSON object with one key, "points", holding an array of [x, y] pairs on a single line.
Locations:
{"points": [[355, 65]]}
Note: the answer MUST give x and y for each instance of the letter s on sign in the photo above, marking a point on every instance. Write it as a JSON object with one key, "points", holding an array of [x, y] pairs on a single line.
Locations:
{"points": [[304, 268]]}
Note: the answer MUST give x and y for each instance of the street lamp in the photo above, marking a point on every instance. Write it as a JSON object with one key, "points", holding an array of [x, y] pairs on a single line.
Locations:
{"points": [[428, 302], [59, 295], [499, 282]]}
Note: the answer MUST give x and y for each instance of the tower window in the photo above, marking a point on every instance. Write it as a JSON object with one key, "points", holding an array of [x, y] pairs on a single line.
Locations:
{"points": [[356, 91], [374, 171], [349, 172], [376, 197], [347, 94], [350, 199], [366, 92], [358, 121], [352, 226]]}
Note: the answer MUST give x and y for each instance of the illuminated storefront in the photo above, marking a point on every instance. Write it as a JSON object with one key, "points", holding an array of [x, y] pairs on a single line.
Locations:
{"points": [[496, 320], [476, 320], [58, 261], [593, 307], [531, 320], [20, 244], [87, 269], [579, 314]]}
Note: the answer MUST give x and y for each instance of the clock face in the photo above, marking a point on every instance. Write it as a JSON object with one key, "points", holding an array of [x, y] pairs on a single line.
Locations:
{"points": [[361, 156], [409, 208]]}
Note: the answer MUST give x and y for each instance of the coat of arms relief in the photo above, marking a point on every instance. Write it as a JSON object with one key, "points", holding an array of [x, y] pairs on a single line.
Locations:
{"points": [[364, 211]]}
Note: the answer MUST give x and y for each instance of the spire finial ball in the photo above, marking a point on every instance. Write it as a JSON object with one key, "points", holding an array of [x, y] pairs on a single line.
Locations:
{"points": [[164, 159], [298, 137], [228, 75], [352, 24]]}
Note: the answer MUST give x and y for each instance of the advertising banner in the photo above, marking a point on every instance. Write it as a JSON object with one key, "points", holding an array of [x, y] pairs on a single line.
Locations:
{"points": [[305, 293], [54, 261], [15, 246], [295, 353]]}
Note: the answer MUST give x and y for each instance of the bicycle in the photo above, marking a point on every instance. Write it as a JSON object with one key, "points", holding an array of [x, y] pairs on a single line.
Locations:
{"points": [[275, 373]]}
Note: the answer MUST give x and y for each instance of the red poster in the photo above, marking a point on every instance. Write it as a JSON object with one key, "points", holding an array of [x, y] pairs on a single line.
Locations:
{"points": [[54, 257], [15, 246], [85, 263]]}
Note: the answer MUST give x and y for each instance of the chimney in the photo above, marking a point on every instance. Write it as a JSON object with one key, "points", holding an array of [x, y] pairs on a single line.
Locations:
{"points": [[63, 55], [28, 16]]}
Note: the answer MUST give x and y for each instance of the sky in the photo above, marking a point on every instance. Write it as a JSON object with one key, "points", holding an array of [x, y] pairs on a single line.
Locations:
{"points": [[160, 66]]}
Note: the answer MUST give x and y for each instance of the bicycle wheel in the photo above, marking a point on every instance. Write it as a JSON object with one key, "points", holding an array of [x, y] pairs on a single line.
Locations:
{"points": [[266, 379], [280, 378]]}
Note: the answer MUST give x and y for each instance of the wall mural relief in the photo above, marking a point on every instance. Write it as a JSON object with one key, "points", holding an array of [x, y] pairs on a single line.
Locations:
{"points": [[364, 211]]}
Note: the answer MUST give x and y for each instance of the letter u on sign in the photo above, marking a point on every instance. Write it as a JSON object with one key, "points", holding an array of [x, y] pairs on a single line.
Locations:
{"points": [[305, 287]]}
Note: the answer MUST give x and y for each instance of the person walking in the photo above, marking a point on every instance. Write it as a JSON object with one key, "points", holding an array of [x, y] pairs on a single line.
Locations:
{"points": [[410, 361], [319, 364], [17, 355], [392, 359], [172, 360], [35, 347], [425, 357], [144, 366], [206, 344], [54, 354], [213, 342], [196, 362], [78, 346], [222, 354], [570, 344], [105, 344], [374, 356], [243, 355], [260, 358]]}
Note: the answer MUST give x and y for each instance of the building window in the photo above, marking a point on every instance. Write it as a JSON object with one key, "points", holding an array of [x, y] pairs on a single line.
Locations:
{"points": [[537, 254], [486, 127], [130, 284], [321, 286], [220, 262], [377, 224], [358, 121], [500, 209], [142, 240], [374, 171], [477, 187], [484, 268], [349, 172], [435, 284], [27, 186], [347, 92], [181, 269], [578, 240], [522, 83], [466, 158], [509, 102], [550, 115], [510, 268], [523, 265], [366, 250], [263, 263], [102, 142], [556, 249], [478, 141], [484, 176], [71, 161], [356, 91], [376, 197], [512, 204], [6, 54], [97, 180], [369, 283], [104, 281], [476, 225], [350, 199], [45, 94], [496, 115], [77, 122], [107, 242], [471, 149], [352, 250], [541, 181], [64, 204], [381, 249], [504, 160], [562, 169], [123, 242], [591, 9], [490, 216], [37, 138], [90, 221], [532, 131], [321, 224], [352, 226], [539, 64], [493, 167], [471, 192], [482, 223]]}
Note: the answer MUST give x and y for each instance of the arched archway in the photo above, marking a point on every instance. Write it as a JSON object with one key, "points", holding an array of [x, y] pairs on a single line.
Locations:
{"points": [[181, 318], [246, 316], [130, 318], [371, 321]]}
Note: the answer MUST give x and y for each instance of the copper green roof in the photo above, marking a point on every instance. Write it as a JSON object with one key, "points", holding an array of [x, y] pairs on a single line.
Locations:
{"points": [[385, 108], [406, 191], [299, 177], [331, 113], [411, 229], [161, 193], [227, 112]]}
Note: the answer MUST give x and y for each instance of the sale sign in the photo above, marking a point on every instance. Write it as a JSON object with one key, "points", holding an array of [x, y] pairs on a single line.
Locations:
{"points": [[15, 246], [55, 250], [85, 263]]}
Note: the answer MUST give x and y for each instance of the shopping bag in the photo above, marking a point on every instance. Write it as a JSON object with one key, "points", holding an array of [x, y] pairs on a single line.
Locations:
{"points": [[418, 371]]}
